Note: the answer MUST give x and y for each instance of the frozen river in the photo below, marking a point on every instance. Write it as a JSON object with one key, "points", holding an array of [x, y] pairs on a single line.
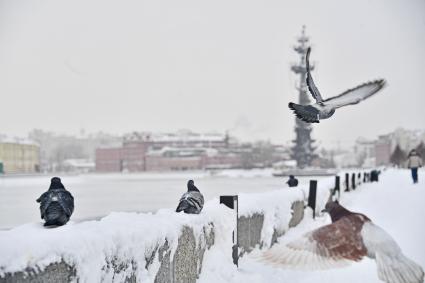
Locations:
{"points": [[97, 195]]}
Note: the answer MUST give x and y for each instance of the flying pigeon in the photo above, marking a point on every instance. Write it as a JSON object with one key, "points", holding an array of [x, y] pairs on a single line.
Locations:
{"points": [[192, 201], [325, 108], [350, 237]]}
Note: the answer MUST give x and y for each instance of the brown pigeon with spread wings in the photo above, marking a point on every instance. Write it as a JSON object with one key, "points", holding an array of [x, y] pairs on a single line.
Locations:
{"points": [[350, 237]]}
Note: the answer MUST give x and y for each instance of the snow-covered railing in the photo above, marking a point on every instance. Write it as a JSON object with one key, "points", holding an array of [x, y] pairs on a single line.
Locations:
{"points": [[263, 217], [128, 247], [160, 247], [122, 247]]}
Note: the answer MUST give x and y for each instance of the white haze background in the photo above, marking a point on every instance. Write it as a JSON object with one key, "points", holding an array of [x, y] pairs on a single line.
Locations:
{"points": [[120, 66]]}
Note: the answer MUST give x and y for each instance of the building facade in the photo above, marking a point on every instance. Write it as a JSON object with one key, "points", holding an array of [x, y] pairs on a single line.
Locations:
{"points": [[183, 150], [17, 157]]}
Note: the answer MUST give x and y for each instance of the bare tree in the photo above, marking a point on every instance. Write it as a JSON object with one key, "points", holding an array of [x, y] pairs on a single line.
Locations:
{"points": [[398, 157]]}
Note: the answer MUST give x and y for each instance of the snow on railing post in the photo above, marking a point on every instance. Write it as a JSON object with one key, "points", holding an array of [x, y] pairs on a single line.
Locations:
{"points": [[353, 181], [312, 196], [232, 202], [347, 182]]}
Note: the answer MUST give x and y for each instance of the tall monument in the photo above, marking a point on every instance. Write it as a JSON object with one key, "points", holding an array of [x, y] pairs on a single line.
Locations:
{"points": [[303, 149]]}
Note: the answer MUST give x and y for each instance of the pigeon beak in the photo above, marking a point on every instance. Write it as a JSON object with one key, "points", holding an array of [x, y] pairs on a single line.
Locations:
{"points": [[325, 210]]}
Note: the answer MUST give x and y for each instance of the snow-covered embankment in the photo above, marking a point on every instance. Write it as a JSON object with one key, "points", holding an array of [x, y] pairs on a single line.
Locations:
{"points": [[160, 247]]}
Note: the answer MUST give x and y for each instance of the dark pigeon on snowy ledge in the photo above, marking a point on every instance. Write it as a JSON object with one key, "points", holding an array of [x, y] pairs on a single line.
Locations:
{"points": [[57, 204], [325, 108], [192, 201], [350, 237]]}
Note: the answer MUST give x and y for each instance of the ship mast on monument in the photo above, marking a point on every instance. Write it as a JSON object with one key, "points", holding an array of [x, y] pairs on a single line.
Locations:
{"points": [[303, 149]]}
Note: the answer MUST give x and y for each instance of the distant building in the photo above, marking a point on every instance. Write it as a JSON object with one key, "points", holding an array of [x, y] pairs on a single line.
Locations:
{"points": [[55, 148], [19, 157], [383, 150], [183, 150], [109, 159], [78, 165], [365, 152], [168, 159], [406, 139]]}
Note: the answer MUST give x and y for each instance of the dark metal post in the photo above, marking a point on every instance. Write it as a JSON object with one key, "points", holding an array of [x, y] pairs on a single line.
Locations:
{"points": [[353, 181], [347, 182], [359, 177], [232, 202], [337, 186], [364, 177], [312, 196]]}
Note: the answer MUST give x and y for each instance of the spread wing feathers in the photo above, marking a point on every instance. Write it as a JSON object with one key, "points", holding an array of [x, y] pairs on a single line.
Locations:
{"points": [[355, 95], [310, 83], [330, 246], [306, 113], [393, 266], [398, 269]]}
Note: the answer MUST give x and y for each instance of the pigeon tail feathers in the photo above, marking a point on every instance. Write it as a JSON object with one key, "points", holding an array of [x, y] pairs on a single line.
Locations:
{"points": [[183, 205], [306, 113]]}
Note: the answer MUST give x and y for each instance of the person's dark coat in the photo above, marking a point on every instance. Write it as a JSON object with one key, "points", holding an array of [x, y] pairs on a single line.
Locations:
{"points": [[292, 182], [192, 201], [56, 205], [374, 176]]}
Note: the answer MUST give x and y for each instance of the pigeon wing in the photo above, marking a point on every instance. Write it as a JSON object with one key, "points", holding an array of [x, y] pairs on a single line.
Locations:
{"points": [[310, 83], [393, 265], [355, 95], [333, 245]]}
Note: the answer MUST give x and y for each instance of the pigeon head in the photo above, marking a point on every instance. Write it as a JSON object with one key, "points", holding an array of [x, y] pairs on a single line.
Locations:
{"points": [[55, 183], [191, 186], [335, 210], [291, 176]]}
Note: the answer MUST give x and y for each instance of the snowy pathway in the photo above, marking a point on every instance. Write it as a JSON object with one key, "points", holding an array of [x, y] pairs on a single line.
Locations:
{"points": [[395, 204]]}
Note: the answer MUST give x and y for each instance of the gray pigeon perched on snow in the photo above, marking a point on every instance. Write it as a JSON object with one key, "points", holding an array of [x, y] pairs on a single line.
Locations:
{"points": [[192, 201], [325, 108], [350, 237]]}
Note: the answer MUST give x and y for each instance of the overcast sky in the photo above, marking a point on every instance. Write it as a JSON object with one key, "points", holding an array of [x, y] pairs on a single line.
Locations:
{"points": [[219, 65]]}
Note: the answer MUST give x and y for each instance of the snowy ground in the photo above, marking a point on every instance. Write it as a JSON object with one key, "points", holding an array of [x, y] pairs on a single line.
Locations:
{"points": [[97, 195], [395, 204]]}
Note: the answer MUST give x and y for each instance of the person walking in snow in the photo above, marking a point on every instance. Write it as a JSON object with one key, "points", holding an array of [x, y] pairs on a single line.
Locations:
{"points": [[414, 162], [292, 182], [56, 205], [192, 201]]}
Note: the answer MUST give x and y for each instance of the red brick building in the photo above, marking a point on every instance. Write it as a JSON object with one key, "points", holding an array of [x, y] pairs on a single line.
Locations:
{"points": [[181, 151], [109, 159]]}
